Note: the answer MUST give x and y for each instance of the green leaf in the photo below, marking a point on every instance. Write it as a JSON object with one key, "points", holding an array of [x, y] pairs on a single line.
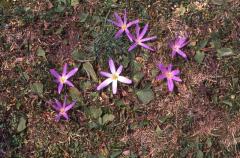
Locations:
{"points": [[107, 118], [217, 2], [145, 96], [41, 52], [74, 3], [199, 154], [158, 131], [202, 44], [83, 17], [137, 78], [37, 88], [224, 52], [199, 57], [95, 112], [22, 124], [75, 94], [115, 154], [227, 102], [90, 71]]}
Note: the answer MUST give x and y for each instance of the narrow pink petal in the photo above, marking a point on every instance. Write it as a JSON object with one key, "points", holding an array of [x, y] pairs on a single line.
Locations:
{"points": [[149, 39], [125, 17], [119, 70], [160, 77], [60, 87], [56, 107], [70, 106], [114, 87], [162, 68], [112, 66], [105, 74], [119, 33], [182, 54], [65, 101], [65, 115], [119, 19], [132, 23], [146, 46], [173, 53], [143, 31], [182, 41], [54, 73], [177, 79], [175, 72], [69, 83], [132, 47], [137, 30], [170, 67], [124, 80], [114, 23], [104, 84], [58, 104], [64, 69], [57, 118], [170, 84], [130, 37], [71, 73]]}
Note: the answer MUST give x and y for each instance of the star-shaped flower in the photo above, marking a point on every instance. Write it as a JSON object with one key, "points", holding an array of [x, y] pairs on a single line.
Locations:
{"points": [[113, 77], [63, 79], [169, 74], [123, 25], [176, 46], [62, 108], [139, 40]]}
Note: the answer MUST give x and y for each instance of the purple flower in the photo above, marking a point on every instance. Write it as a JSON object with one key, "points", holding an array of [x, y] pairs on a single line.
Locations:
{"points": [[169, 74], [139, 40], [63, 79], [177, 44], [62, 108], [113, 77], [123, 24]]}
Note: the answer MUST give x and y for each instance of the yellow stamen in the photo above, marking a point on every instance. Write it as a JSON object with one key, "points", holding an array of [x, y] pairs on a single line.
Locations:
{"points": [[62, 111], [169, 75], [63, 79], [114, 77], [124, 26]]}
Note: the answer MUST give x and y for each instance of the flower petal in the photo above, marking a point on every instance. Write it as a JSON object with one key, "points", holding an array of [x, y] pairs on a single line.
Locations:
{"points": [[160, 77], [104, 84], [105, 74], [137, 30], [114, 23], [71, 73], [119, 70], [132, 47], [130, 37], [182, 54], [69, 83], [149, 38], [119, 19], [119, 33], [182, 41], [146, 46], [177, 79], [173, 53], [143, 31], [114, 87], [124, 80], [175, 72], [132, 23], [125, 17], [65, 115], [60, 87], [111, 66], [57, 118], [162, 68], [55, 73], [170, 67], [170, 84], [64, 69], [70, 106], [58, 104]]}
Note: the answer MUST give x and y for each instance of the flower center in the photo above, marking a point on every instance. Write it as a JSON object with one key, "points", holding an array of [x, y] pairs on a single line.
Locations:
{"points": [[62, 111], [169, 75], [114, 77], [124, 26], [63, 79], [138, 42], [176, 47]]}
